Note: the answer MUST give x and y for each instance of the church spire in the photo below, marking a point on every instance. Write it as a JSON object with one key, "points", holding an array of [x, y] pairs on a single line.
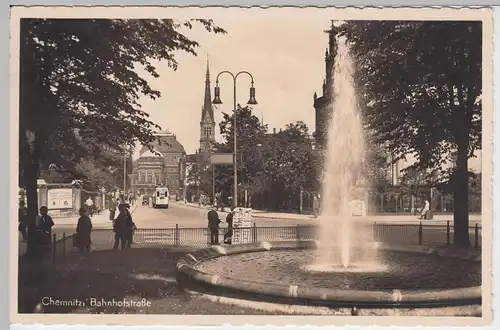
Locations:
{"points": [[207, 102]]}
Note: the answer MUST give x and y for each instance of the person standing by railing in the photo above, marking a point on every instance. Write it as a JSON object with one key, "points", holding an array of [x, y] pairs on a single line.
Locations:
{"points": [[229, 234], [213, 226], [131, 227], [83, 231], [44, 226], [120, 227]]}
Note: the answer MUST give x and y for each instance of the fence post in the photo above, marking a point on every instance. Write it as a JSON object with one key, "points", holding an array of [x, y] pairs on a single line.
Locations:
{"points": [[254, 233], [476, 236], [54, 251], [448, 233], [176, 235], [298, 233], [64, 245], [420, 233]]}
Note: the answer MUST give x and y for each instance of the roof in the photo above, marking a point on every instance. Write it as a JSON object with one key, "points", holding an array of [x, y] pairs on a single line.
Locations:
{"points": [[148, 154], [166, 143], [165, 132]]}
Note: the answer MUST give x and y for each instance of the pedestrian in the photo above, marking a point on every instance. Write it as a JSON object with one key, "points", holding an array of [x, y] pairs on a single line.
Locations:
{"points": [[213, 226], [112, 209], [315, 206], [131, 227], [120, 227], [44, 224], [83, 231], [22, 221], [89, 203], [229, 234], [425, 210]]}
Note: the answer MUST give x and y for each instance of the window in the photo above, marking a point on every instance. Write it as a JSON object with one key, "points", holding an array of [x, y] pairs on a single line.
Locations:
{"points": [[207, 131], [143, 177], [150, 178]]}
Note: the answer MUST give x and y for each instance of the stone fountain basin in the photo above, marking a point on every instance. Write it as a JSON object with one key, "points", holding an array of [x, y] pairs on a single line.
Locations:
{"points": [[193, 278]]}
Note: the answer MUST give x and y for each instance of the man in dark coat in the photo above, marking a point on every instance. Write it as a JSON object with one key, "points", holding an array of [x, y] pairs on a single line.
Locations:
{"points": [[229, 234], [120, 227], [213, 226], [44, 226], [83, 231], [130, 225]]}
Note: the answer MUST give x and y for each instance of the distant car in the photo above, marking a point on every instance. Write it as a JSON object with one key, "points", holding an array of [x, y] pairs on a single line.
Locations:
{"points": [[145, 199]]}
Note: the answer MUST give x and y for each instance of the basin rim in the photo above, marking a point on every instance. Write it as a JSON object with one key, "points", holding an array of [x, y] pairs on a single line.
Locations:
{"points": [[188, 272]]}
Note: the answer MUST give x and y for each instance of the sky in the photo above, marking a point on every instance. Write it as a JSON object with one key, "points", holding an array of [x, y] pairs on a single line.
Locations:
{"points": [[284, 55]]}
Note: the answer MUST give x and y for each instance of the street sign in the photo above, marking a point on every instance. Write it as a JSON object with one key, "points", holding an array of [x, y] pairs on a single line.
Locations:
{"points": [[221, 159]]}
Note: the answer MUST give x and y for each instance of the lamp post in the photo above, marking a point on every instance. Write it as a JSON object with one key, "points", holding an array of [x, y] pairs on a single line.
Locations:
{"points": [[124, 173], [251, 101]]}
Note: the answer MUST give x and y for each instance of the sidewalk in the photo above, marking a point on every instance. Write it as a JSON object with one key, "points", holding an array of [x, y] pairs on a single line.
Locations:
{"points": [[382, 218]]}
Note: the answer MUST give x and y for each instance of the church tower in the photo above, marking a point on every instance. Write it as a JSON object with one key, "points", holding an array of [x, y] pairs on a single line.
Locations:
{"points": [[322, 103], [207, 123]]}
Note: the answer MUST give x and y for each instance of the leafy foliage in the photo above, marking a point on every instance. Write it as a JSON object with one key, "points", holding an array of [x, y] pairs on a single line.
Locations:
{"points": [[421, 84], [421, 90], [80, 87], [265, 162]]}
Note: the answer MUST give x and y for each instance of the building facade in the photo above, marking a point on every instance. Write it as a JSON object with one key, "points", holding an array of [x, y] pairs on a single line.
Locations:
{"points": [[163, 166]]}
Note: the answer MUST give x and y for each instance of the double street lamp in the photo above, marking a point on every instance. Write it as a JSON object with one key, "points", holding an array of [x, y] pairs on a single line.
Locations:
{"points": [[251, 101]]}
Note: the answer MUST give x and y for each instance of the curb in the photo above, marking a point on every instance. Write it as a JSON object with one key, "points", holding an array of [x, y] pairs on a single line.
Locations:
{"points": [[187, 272], [310, 217]]}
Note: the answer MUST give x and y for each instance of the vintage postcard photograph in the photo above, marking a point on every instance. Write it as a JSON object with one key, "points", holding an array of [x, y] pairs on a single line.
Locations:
{"points": [[197, 166]]}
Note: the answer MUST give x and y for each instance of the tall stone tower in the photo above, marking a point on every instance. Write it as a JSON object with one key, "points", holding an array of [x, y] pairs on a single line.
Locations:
{"points": [[322, 103], [207, 123]]}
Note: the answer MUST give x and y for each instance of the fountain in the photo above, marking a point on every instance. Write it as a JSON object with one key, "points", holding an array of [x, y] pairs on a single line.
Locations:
{"points": [[348, 267], [343, 164]]}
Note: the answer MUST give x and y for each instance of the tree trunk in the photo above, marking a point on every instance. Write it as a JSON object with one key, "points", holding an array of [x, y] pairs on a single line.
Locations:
{"points": [[30, 177], [461, 199]]}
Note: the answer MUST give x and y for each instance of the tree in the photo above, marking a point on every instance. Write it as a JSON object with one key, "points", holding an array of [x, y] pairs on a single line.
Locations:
{"points": [[250, 134], [420, 87], [292, 153], [375, 166], [79, 89]]}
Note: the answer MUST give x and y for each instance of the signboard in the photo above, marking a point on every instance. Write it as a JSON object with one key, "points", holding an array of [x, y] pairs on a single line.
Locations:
{"points": [[60, 198], [221, 159], [358, 207], [242, 226]]}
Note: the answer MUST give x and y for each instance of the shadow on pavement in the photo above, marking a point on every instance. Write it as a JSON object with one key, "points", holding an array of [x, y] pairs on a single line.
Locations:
{"points": [[106, 277]]}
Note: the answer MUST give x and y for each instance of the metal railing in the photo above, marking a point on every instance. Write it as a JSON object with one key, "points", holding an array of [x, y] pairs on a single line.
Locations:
{"points": [[391, 233], [62, 253]]}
